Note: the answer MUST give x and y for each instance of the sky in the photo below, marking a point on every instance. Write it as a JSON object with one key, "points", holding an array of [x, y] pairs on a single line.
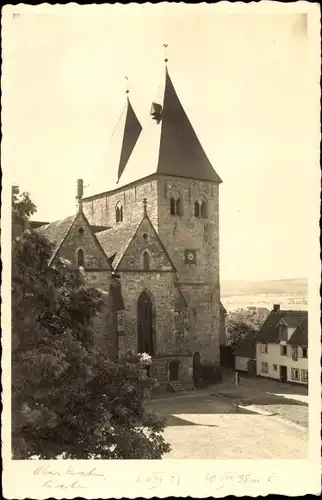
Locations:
{"points": [[242, 79]]}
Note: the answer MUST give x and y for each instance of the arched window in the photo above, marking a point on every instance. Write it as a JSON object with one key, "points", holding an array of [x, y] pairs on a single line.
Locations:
{"points": [[172, 206], [178, 207], [80, 258], [197, 209], [203, 210], [118, 213], [146, 260]]}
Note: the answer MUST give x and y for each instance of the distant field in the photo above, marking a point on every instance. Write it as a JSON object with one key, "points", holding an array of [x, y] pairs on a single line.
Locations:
{"points": [[284, 288], [264, 300]]}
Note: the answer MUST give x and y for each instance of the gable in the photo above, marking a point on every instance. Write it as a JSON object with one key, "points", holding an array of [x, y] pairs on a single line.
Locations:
{"points": [[80, 236], [145, 239]]}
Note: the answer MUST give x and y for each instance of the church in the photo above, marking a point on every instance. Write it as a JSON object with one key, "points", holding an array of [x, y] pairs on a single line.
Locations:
{"points": [[150, 242]]}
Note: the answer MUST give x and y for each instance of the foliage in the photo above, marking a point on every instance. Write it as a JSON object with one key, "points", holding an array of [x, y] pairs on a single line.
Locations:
{"points": [[241, 322], [68, 399]]}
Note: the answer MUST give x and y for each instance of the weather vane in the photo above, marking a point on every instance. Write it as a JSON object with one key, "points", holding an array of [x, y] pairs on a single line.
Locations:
{"points": [[165, 45]]}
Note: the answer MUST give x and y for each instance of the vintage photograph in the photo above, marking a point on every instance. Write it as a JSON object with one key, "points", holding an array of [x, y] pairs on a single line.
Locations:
{"points": [[160, 195]]}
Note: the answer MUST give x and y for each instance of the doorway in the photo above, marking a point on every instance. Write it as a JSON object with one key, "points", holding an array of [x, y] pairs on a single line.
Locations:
{"points": [[173, 370], [283, 373], [145, 324]]}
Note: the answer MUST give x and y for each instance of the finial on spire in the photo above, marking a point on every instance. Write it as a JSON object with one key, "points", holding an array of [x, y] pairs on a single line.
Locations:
{"points": [[127, 85], [165, 45], [144, 206]]}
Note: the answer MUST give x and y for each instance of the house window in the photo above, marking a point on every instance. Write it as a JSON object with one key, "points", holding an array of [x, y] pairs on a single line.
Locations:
{"points": [[80, 258], [304, 352], [264, 348], [203, 210], [295, 374], [305, 376], [197, 209], [275, 368], [146, 260], [119, 213], [295, 353], [264, 367], [283, 350], [172, 206]]}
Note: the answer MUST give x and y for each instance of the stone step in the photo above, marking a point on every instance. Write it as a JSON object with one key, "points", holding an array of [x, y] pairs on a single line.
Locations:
{"points": [[176, 386]]}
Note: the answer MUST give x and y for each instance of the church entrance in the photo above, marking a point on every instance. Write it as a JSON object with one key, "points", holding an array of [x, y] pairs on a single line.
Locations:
{"points": [[173, 370], [145, 325]]}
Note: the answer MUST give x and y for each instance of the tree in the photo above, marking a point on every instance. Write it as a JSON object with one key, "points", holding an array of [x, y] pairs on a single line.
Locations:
{"points": [[242, 322], [68, 399]]}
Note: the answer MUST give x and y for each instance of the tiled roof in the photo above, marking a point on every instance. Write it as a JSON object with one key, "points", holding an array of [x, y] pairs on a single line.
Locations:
{"points": [[269, 331], [115, 240], [56, 232], [300, 336], [247, 347]]}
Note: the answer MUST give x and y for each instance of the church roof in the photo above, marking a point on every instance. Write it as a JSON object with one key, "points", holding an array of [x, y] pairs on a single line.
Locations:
{"points": [[115, 241], [168, 146], [56, 232]]}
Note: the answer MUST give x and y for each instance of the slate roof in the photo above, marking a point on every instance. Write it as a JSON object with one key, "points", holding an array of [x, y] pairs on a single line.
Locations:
{"points": [[269, 331], [115, 240], [247, 347], [300, 336], [56, 232], [170, 147]]}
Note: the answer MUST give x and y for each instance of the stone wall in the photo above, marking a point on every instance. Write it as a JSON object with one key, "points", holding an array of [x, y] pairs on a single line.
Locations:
{"points": [[80, 236], [100, 209], [170, 336], [199, 281]]}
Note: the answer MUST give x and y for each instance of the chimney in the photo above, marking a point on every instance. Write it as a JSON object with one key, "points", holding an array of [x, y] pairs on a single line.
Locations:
{"points": [[79, 196], [276, 307]]}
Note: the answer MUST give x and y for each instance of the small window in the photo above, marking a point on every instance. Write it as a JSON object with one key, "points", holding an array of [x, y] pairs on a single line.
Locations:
{"points": [[146, 261], [275, 368], [172, 206], [81, 231], [178, 207], [305, 376], [283, 350], [304, 352], [295, 353], [80, 258], [119, 213], [295, 374], [197, 209], [264, 367], [203, 210], [264, 349]]}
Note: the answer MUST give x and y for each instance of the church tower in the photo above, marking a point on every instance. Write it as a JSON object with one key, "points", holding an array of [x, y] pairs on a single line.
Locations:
{"points": [[162, 161]]}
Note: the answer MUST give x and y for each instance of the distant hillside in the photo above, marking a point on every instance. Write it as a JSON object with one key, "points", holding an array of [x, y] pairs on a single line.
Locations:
{"points": [[241, 287]]}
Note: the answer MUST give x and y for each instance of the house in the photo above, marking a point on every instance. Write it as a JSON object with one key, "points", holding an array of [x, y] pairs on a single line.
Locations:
{"points": [[150, 231], [282, 346], [245, 354]]}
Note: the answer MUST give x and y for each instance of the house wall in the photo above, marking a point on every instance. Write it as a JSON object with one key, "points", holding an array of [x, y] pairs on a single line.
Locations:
{"points": [[274, 357], [241, 364]]}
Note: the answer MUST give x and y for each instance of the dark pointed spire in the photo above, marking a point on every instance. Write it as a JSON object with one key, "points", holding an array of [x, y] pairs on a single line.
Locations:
{"points": [[132, 131], [180, 152]]}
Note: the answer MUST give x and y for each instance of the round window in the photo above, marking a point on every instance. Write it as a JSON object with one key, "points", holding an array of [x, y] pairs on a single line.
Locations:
{"points": [[145, 236]]}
